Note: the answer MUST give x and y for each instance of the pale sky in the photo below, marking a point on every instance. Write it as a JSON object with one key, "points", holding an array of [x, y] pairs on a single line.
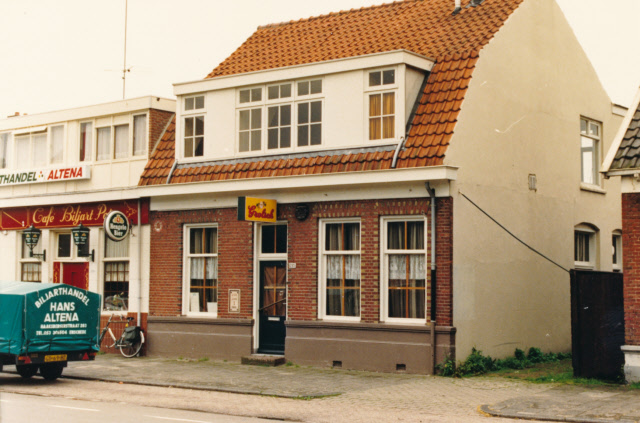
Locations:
{"points": [[69, 53]]}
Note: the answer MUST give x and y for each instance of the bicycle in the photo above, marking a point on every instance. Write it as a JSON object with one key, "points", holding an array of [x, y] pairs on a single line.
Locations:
{"points": [[130, 341]]}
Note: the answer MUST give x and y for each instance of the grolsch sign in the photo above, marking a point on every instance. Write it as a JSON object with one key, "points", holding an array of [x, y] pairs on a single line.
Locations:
{"points": [[116, 225]]}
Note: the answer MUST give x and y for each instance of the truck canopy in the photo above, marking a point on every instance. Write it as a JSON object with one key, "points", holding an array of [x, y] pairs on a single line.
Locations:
{"points": [[45, 317]]}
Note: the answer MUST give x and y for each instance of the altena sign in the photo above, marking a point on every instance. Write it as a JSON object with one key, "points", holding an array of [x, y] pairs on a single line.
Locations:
{"points": [[35, 176]]}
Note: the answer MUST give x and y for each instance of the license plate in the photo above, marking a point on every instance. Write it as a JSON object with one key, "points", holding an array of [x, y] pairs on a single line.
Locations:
{"points": [[59, 357]]}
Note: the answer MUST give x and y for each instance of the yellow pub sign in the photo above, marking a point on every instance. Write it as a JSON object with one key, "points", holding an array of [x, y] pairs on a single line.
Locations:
{"points": [[257, 209]]}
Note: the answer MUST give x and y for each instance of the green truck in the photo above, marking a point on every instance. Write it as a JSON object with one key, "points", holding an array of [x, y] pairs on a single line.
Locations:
{"points": [[44, 325]]}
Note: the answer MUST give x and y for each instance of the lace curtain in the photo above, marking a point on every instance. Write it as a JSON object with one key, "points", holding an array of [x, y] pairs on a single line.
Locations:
{"points": [[351, 267]]}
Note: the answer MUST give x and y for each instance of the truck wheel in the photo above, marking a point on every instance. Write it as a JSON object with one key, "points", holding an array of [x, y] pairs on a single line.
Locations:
{"points": [[51, 371], [27, 370]]}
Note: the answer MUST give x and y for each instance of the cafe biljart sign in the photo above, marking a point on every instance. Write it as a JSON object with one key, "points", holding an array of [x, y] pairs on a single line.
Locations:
{"points": [[116, 225]]}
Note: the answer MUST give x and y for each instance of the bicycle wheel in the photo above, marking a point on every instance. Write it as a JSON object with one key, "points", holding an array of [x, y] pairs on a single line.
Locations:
{"points": [[131, 349]]}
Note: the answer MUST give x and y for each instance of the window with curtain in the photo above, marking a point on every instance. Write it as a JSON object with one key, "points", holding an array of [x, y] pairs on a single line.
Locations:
{"points": [[139, 135], [104, 143], [122, 141], [585, 246], [202, 269], [31, 149], [86, 141], [57, 144], [4, 143], [382, 105], [30, 268], [341, 261], [616, 241], [116, 275], [405, 267]]}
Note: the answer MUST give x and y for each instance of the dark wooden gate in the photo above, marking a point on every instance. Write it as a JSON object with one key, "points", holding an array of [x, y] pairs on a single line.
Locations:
{"points": [[597, 324]]}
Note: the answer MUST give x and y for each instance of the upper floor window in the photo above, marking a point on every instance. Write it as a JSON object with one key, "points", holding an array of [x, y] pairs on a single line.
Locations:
{"points": [[139, 135], [4, 146], [590, 136], [293, 114], [382, 93], [616, 241], [57, 144], [194, 126], [86, 141], [31, 149]]}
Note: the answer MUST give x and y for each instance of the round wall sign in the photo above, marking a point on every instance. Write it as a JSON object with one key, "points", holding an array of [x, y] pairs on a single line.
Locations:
{"points": [[116, 225]]}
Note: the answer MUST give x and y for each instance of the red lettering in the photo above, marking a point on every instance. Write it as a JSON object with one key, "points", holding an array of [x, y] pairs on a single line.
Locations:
{"points": [[66, 173], [260, 215], [51, 176], [79, 173]]}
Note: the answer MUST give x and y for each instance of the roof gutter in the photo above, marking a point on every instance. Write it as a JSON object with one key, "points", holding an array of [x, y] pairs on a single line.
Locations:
{"points": [[432, 195], [395, 155]]}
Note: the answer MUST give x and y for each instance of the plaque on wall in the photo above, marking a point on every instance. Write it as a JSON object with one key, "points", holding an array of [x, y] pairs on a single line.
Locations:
{"points": [[234, 301]]}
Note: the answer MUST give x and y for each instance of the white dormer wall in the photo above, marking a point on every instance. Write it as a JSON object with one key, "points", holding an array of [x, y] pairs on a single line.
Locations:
{"points": [[108, 173], [344, 100]]}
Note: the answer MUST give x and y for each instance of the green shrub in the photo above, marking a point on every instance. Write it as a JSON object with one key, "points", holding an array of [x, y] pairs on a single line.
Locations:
{"points": [[477, 364]]}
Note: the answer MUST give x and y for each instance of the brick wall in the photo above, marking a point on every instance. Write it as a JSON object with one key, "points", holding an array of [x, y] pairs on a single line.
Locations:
{"points": [[631, 266], [158, 120], [235, 246]]}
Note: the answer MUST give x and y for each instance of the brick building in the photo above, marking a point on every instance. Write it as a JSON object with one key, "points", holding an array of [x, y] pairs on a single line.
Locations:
{"points": [[622, 161], [64, 168], [311, 196]]}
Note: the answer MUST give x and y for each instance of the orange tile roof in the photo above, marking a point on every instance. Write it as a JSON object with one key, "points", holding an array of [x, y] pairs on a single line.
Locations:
{"points": [[425, 27]]}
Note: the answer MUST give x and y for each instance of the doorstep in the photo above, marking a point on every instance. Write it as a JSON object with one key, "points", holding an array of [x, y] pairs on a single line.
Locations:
{"points": [[264, 360]]}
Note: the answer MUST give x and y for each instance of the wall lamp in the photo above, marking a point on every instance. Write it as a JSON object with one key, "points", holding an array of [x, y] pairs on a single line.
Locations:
{"points": [[31, 236], [80, 238]]}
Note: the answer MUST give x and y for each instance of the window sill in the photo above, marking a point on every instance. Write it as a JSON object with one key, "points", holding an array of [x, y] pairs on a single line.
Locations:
{"points": [[592, 188]]}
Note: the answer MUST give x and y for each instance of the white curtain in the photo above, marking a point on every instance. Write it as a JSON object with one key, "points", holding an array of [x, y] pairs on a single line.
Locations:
{"points": [[22, 151], [57, 144], [40, 149], [352, 267], [104, 143], [398, 266], [139, 135], [122, 141], [86, 141], [118, 249], [198, 268]]}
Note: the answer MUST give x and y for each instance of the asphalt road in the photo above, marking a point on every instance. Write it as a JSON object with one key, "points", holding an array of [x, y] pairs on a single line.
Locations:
{"points": [[21, 408]]}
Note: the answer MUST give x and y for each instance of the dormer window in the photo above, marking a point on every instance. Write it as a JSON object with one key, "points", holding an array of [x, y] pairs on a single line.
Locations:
{"points": [[194, 126], [382, 91], [293, 114]]}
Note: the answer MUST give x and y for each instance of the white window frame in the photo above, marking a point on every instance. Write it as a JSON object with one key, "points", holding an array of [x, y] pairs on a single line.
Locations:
{"points": [[616, 245], [593, 178], [24, 256], [73, 249], [265, 103], [186, 267], [384, 271], [105, 260], [92, 142], [193, 112], [51, 144], [145, 141], [5, 138], [381, 90], [31, 135], [591, 233], [322, 273]]}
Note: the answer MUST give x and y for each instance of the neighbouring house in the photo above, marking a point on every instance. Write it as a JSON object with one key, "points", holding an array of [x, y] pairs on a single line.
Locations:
{"points": [[312, 197], [623, 160], [70, 167]]}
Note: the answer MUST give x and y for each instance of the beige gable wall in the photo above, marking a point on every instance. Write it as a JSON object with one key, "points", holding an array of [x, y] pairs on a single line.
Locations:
{"points": [[522, 116]]}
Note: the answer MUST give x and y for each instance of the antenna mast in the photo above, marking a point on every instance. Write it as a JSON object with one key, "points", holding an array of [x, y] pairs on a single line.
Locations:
{"points": [[124, 67]]}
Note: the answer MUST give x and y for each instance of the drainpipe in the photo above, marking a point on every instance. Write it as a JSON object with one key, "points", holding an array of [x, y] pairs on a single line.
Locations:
{"points": [[139, 265], [458, 7], [432, 194], [395, 155], [175, 163]]}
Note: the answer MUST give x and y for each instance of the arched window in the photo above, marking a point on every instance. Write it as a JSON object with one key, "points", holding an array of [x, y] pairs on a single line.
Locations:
{"points": [[585, 246]]}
